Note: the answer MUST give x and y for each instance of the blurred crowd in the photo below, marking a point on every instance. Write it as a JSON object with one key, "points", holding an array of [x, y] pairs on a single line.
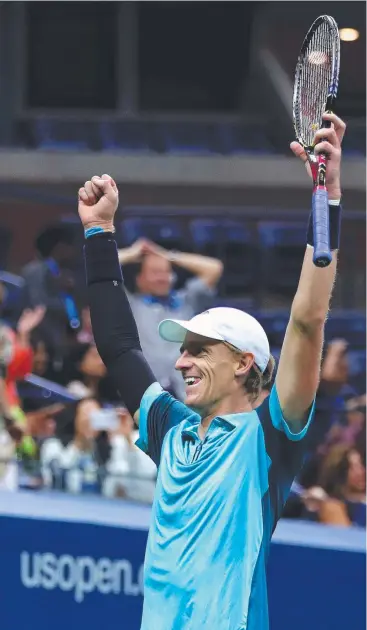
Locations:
{"points": [[62, 423]]}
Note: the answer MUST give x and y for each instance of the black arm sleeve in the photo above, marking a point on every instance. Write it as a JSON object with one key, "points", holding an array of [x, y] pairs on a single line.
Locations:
{"points": [[113, 323]]}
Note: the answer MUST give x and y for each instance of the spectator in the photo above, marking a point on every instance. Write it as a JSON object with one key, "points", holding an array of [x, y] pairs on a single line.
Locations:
{"points": [[85, 334], [16, 361], [85, 367], [343, 478], [156, 299], [73, 466], [8, 469], [332, 398], [334, 389], [96, 460], [351, 425], [131, 473], [41, 354], [8, 466], [50, 282], [21, 362]]}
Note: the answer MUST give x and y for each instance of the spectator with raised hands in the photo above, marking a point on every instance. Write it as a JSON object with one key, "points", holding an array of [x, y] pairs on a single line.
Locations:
{"points": [[156, 299]]}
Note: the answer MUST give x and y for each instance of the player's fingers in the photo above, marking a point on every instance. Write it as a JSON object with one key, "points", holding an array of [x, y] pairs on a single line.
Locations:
{"points": [[97, 191], [112, 181], [83, 195], [339, 125], [100, 183], [105, 187], [327, 148], [90, 192], [298, 151], [328, 134]]}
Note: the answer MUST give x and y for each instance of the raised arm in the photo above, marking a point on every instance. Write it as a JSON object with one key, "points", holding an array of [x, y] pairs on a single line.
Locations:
{"points": [[300, 360], [205, 267], [133, 253], [114, 327]]}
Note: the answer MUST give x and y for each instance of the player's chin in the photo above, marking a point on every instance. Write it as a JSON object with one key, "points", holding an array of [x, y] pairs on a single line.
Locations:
{"points": [[193, 396]]}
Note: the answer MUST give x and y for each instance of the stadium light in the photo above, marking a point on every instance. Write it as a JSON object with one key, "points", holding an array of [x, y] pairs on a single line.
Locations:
{"points": [[348, 34]]}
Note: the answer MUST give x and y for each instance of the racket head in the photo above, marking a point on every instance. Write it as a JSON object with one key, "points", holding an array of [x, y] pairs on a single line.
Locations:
{"points": [[316, 79]]}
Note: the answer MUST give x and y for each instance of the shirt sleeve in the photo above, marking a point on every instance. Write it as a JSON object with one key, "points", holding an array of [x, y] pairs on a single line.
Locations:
{"points": [[286, 450], [198, 294], [159, 412], [114, 327]]}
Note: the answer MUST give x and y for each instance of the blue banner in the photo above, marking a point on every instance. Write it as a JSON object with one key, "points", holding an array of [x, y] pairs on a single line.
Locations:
{"points": [[60, 573], [66, 576]]}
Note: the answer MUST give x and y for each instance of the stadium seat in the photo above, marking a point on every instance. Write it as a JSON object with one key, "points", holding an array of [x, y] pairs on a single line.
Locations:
{"points": [[64, 135], [6, 238], [274, 324], [282, 249], [12, 298], [187, 137], [234, 244], [237, 139], [167, 232], [127, 136], [349, 325]]}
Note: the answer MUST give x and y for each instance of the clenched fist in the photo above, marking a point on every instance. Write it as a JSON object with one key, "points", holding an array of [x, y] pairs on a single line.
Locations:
{"points": [[98, 201]]}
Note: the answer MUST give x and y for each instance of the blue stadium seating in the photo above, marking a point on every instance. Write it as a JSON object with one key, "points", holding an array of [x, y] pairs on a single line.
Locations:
{"points": [[347, 325], [282, 249], [58, 136], [126, 136], [160, 136], [164, 231], [233, 242], [238, 139], [190, 138]]}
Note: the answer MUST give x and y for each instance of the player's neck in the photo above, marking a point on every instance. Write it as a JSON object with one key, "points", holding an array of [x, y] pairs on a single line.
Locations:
{"points": [[236, 403]]}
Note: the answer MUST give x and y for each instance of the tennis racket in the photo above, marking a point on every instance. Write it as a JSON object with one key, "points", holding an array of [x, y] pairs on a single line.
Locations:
{"points": [[315, 91]]}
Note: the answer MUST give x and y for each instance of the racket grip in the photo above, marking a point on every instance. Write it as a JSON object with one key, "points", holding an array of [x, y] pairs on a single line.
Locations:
{"points": [[321, 235]]}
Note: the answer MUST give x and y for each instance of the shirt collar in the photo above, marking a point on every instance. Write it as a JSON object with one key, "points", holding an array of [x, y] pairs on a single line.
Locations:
{"points": [[227, 422], [234, 420]]}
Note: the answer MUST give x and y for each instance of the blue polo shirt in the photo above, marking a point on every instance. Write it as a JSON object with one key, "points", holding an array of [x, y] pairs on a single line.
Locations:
{"points": [[216, 505]]}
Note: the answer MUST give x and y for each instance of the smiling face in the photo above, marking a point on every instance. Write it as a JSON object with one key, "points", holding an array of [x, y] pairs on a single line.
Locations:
{"points": [[212, 372]]}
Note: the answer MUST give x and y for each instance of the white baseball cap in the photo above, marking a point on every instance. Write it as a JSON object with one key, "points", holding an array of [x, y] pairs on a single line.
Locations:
{"points": [[239, 329]]}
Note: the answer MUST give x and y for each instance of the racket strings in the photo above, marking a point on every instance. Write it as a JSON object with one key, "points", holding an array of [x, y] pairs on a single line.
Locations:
{"points": [[314, 81]]}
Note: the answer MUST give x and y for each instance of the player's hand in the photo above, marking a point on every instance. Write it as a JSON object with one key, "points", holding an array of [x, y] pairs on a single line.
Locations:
{"points": [[327, 141], [98, 200]]}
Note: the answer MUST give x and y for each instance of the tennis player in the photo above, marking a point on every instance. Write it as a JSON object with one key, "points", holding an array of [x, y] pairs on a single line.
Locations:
{"points": [[224, 475]]}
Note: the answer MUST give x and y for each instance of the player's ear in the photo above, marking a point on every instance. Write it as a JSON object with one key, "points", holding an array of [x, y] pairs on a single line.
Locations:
{"points": [[245, 362]]}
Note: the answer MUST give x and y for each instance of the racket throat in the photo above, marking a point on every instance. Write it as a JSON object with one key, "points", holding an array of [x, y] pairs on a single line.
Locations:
{"points": [[318, 169], [321, 172], [314, 165]]}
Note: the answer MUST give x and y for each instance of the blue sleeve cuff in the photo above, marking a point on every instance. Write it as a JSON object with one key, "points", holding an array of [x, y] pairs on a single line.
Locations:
{"points": [[152, 393], [279, 421]]}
